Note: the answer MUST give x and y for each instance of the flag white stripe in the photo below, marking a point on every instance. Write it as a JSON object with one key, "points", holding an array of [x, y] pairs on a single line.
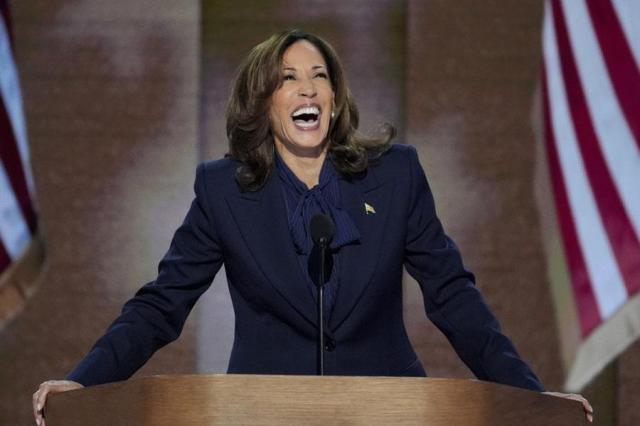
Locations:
{"points": [[14, 231], [616, 141], [628, 12], [12, 98], [605, 276]]}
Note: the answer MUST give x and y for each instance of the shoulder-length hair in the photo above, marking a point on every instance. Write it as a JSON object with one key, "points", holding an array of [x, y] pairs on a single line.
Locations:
{"points": [[248, 121]]}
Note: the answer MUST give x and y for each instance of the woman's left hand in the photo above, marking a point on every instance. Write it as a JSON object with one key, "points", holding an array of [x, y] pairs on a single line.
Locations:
{"points": [[588, 409]]}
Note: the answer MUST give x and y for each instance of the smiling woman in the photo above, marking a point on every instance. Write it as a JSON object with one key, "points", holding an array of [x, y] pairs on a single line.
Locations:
{"points": [[296, 154]]}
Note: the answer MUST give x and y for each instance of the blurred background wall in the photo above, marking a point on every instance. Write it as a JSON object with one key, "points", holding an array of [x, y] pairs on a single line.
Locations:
{"points": [[111, 100], [124, 98]]}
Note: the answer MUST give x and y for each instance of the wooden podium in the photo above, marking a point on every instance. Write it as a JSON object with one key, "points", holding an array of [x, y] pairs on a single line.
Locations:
{"points": [[307, 400]]}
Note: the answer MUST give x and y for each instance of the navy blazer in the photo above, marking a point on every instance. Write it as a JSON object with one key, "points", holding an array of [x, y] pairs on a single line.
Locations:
{"points": [[275, 314]]}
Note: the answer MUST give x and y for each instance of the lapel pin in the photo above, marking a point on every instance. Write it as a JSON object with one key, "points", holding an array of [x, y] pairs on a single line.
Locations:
{"points": [[368, 209]]}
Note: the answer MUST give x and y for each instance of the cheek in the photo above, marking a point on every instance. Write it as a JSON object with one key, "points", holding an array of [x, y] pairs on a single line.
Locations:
{"points": [[278, 110], [278, 123], [275, 116]]}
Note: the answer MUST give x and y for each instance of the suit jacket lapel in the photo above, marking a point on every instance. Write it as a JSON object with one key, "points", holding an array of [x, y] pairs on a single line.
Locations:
{"points": [[358, 261], [262, 219]]}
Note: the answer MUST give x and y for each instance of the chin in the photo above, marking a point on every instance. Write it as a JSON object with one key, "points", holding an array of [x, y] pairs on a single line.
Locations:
{"points": [[306, 146]]}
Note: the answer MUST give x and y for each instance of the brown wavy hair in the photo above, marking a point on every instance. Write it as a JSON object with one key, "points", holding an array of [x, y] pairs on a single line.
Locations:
{"points": [[249, 126]]}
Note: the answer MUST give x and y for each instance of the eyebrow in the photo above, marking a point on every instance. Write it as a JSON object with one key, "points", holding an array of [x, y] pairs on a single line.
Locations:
{"points": [[315, 67]]}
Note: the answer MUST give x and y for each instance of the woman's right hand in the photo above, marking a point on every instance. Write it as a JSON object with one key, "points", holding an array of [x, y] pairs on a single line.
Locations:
{"points": [[50, 386]]}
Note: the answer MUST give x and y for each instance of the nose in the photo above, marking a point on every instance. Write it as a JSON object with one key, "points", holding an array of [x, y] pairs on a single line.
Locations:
{"points": [[307, 88]]}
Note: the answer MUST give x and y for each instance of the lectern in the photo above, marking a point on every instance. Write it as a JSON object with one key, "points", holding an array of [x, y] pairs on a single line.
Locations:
{"points": [[307, 400]]}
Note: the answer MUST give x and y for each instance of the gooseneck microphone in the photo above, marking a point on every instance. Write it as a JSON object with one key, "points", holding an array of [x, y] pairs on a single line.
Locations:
{"points": [[322, 232], [322, 229]]}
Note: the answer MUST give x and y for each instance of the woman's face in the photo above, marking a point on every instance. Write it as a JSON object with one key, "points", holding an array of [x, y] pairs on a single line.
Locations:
{"points": [[301, 107]]}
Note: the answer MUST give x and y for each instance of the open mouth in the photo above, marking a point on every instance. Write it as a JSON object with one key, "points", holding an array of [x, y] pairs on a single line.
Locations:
{"points": [[307, 117]]}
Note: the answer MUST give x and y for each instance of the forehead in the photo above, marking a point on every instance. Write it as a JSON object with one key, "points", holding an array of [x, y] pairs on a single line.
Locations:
{"points": [[302, 54]]}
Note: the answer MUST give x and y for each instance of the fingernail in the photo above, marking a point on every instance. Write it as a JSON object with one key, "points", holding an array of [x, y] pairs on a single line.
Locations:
{"points": [[39, 407]]}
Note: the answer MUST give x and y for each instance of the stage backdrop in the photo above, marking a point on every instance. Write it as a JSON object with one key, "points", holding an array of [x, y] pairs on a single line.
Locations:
{"points": [[124, 98]]}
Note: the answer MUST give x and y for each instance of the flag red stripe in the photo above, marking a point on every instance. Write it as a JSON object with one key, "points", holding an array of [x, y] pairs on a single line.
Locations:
{"points": [[622, 67], [588, 313], [9, 154], [5, 260], [10, 158], [622, 235], [4, 12]]}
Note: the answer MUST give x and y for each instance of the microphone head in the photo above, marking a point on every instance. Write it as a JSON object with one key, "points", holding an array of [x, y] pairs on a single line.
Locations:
{"points": [[322, 229]]}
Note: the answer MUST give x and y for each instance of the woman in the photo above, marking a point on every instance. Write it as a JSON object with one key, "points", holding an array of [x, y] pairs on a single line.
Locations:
{"points": [[294, 153]]}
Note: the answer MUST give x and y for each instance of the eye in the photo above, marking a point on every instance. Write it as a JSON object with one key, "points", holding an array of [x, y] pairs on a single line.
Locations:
{"points": [[322, 75], [288, 77]]}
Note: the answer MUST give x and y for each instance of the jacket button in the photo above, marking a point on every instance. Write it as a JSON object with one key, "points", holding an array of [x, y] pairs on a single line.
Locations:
{"points": [[329, 345]]}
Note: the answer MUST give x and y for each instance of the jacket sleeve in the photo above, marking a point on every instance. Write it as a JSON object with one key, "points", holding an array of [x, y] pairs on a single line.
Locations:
{"points": [[156, 314], [451, 298]]}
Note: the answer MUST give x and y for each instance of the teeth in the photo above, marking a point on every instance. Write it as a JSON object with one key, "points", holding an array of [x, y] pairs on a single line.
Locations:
{"points": [[306, 110], [306, 125]]}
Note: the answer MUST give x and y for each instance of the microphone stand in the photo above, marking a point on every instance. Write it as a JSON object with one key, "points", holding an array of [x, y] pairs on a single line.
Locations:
{"points": [[322, 230], [323, 250]]}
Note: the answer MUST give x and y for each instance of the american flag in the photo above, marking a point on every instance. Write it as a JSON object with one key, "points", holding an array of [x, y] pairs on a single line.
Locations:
{"points": [[18, 224], [591, 111]]}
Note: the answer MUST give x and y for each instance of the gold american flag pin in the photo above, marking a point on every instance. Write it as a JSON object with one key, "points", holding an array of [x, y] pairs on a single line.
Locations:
{"points": [[368, 209]]}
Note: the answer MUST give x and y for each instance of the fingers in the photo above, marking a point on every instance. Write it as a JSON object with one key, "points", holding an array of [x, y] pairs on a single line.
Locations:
{"points": [[39, 398], [588, 409]]}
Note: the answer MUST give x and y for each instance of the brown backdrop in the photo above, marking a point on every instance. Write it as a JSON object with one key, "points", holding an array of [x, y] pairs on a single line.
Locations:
{"points": [[111, 98], [124, 98]]}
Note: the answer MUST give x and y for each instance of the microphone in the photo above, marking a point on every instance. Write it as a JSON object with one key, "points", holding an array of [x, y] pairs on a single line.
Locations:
{"points": [[322, 232]]}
